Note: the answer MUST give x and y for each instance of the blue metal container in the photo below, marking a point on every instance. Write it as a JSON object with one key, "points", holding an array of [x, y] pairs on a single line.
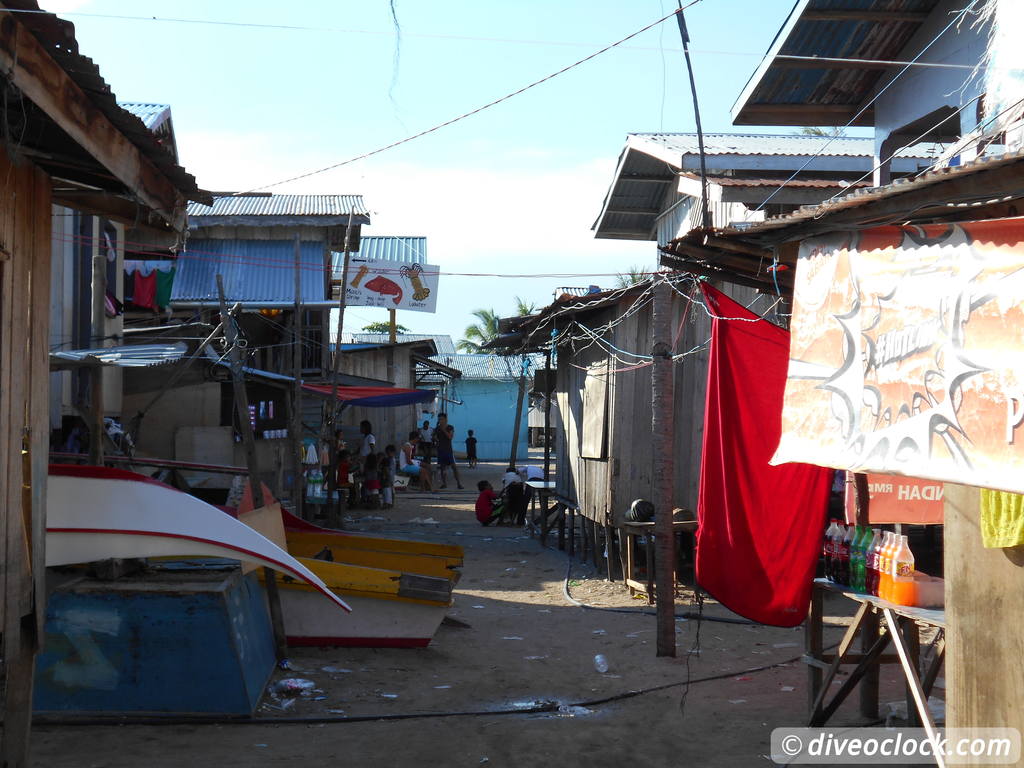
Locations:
{"points": [[187, 641]]}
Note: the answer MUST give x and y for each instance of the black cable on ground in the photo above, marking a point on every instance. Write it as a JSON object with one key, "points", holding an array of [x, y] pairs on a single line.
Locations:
{"points": [[541, 707]]}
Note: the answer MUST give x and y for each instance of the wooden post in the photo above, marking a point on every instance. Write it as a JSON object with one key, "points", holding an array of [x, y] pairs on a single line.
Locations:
{"points": [[392, 326], [519, 412], [98, 323], [296, 425], [331, 423], [870, 627], [249, 444], [662, 430]]}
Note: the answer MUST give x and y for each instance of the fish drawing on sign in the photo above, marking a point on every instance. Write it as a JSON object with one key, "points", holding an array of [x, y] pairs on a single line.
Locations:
{"points": [[385, 287]]}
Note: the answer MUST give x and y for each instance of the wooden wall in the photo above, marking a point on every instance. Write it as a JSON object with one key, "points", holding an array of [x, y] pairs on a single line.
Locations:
{"points": [[25, 218], [604, 489], [984, 602]]}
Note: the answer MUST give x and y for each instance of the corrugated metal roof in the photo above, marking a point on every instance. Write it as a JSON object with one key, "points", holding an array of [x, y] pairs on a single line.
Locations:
{"points": [[404, 250], [57, 36], [481, 366], [646, 179], [124, 356], [151, 115], [773, 145], [725, 181], [261, 271], [442, 342], [863, 197], [268, 210], [836, 91]]}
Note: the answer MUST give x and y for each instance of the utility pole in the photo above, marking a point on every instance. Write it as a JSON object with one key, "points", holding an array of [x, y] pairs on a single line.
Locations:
{"points": [[98, 322], [296, 427], [331, 423], [519, 412], [662, 429], [249, 444]]}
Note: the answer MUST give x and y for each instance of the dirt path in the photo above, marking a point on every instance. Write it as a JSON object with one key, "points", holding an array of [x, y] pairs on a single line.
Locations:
{"points": [[524, 643]]}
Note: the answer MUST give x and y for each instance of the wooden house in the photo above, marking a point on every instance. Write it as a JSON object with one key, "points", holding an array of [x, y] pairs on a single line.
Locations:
{"points": [[69, 143]]}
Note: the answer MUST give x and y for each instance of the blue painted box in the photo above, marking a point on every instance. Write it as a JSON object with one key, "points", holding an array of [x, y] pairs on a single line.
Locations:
{"points": [[190, 641]]}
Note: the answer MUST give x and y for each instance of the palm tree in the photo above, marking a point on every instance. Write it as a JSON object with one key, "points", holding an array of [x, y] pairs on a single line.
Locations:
{"points": [[634, 276], [522, 308], [479, 333]]}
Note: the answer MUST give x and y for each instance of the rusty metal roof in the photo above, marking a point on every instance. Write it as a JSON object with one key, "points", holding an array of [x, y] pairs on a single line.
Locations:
{"points": [[57, 36], [795, 91]]}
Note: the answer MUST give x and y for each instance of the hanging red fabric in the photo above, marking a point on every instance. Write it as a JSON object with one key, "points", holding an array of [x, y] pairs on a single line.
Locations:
{"points": [[759, 527]]}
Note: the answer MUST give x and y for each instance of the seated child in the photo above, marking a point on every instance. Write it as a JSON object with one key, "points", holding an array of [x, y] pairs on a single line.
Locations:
{"points": [[488, 505], [411, 467]]}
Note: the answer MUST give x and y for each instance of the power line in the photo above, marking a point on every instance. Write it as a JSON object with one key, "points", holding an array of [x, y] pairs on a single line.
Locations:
{"points": [[472, 112]]}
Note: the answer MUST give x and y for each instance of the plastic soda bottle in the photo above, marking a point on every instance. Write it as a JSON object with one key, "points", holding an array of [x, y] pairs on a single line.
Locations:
{"points": [[863, 543], [903, 591], [871, 564], [829, 548], [856, 558], [842, 556], [885, 566]]}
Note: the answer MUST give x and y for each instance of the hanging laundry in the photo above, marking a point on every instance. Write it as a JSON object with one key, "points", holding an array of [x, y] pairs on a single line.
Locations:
{"points": [[311, 455], [1002, 519], [111, 305], [164, 283], [144, 294], [759, 526]]}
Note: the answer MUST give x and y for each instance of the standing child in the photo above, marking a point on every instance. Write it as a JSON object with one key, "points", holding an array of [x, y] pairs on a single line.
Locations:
{"points": [[371, 481], [470, 449], [488, 506]]}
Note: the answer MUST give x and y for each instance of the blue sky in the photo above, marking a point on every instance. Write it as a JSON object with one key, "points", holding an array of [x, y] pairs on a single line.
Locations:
{"points": [[512, 190]]}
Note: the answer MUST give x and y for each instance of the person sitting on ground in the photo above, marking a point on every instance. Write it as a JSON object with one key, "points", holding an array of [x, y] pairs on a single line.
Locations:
{"points": [[488, 504], [411, 467], [470, 449], [515, 495]]}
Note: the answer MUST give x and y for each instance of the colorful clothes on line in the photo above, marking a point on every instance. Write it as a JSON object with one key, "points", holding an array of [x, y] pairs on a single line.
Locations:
{"points": [[1002, 519]]}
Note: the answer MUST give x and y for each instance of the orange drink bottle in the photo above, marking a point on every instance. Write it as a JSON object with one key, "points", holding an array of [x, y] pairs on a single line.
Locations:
{"points": [[885, 567], [903, 574]]}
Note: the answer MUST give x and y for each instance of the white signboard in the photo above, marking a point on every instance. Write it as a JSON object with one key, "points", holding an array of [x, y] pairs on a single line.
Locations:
{"points": [[392, 285]]}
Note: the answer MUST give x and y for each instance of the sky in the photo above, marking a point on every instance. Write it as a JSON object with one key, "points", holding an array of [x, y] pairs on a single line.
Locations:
{"points": [[513, 190]]}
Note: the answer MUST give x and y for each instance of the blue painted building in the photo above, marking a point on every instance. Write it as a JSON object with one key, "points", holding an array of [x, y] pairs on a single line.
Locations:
{"points": [[484, 399]]}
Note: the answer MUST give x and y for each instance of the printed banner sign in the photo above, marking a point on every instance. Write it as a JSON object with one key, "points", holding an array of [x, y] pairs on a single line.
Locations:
{"points": [[907, 354], [895, 499], [392, 284]]}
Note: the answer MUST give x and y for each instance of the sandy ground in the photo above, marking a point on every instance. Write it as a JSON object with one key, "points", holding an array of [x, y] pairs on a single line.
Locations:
{"points": [[523, 643]]}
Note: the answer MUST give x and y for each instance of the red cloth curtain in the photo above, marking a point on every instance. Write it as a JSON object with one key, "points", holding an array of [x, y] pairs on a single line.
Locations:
{"points": [[760, 527]]}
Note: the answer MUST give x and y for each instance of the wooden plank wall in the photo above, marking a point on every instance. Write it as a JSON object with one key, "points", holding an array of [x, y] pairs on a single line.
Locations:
{"points": [[25, 220], [630, 457], [984, 600]]}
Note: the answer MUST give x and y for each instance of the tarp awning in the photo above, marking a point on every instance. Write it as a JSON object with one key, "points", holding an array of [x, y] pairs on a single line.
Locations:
{"points": [[374, 397]]}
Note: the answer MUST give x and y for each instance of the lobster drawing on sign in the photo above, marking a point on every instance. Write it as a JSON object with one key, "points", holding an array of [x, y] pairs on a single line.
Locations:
{"points": [[414, 274]]}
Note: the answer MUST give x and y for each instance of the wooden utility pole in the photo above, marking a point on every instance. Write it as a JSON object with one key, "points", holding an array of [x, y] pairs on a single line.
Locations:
{"points": [[296, 425], [249, 444], [98, 322], [392, 326], [519, 412], [330, 425], [663, 439]]}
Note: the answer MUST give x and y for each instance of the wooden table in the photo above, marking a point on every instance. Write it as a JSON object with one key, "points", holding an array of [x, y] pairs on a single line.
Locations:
{"points": [[902, 624], [544, 489], [630, 531]]}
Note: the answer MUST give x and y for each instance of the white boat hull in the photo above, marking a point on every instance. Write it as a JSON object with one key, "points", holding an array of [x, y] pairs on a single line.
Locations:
{"points": [[373, 623]]}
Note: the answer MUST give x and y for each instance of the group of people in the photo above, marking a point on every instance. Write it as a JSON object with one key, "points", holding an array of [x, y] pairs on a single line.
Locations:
{"points": [[426, 443], [373, 471], [510, 504]]}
